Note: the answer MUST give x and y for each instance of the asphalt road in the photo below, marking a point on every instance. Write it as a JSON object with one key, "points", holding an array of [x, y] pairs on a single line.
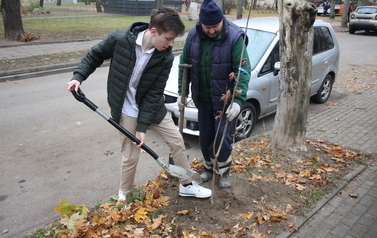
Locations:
{"points": [[54, 147]]}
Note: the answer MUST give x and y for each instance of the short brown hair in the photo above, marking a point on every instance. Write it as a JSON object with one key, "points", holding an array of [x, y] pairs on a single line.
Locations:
{"points": [[166, 19]]}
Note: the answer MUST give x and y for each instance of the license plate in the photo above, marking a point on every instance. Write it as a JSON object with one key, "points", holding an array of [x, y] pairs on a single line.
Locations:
{"points": [[363, 19]]}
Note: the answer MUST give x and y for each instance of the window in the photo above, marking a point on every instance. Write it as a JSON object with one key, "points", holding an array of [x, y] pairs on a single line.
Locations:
{"points": [[322, 39], [271, 60]]}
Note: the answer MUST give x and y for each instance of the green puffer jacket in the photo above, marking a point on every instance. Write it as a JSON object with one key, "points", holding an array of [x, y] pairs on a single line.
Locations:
{"points": [[119, 46]]}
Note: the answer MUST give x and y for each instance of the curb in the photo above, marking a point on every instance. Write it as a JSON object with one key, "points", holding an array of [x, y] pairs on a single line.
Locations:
{"points": [[321, 203], [11, 75]]}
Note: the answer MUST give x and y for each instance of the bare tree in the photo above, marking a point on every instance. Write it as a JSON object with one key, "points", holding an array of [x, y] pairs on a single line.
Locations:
{"points": [[13, 28], [345, 14], [159, 3], [296, 49], [332, 9], [99, 5], [239, 8]]}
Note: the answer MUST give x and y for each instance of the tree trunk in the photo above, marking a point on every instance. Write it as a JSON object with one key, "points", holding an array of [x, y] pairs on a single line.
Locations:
{"points": [[239, 9], [159, 4], [11, 10], [332, 11], [59, 3], [345, 14], [41, 2], [99, 5], [296, 49]]}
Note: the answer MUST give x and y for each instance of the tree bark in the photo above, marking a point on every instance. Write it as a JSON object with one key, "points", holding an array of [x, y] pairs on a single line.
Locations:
{"points": [[239, 9], [345, 14], [159, 4], [296, 49], [59, 3], [99, 5], [41, 2], [332, 11], [13, 28]]}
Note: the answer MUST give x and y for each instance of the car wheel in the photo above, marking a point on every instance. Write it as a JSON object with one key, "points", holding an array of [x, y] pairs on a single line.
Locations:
{"points": [[244, 122], [324, 91], [351, 30]]}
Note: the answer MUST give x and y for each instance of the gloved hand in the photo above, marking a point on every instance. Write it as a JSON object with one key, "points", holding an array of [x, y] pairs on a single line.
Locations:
{"points": [[181, 105], [233, 111]]}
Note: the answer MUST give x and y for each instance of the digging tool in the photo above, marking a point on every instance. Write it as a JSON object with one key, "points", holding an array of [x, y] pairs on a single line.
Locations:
{"points": [[183, 95], [173, 170]]}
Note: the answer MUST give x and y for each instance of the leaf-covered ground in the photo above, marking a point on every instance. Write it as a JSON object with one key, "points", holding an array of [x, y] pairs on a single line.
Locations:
{"points": [[270, 191]]}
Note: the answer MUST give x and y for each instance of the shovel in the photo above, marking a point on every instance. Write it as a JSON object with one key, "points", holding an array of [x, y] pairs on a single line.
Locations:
{"points": [[173, 170]]}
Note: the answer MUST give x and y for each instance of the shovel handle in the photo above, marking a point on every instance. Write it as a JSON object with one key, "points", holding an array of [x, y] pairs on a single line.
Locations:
{"points": [[80, 96]]}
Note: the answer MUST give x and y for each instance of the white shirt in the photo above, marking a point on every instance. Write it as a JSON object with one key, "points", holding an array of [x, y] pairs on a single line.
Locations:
{"points": [[130, 107]]}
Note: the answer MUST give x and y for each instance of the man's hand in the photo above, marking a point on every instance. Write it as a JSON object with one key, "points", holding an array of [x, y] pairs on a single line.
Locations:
{"points": [[233, 111], [73, 83], [141, 137], [181, 105]]}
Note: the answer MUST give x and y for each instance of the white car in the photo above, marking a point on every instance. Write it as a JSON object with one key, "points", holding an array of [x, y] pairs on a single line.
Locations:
{"points": [[262, 95]]}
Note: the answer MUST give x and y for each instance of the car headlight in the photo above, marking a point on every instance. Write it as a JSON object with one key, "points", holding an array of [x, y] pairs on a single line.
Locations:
{"points": [[191, 104], [352, 16]]}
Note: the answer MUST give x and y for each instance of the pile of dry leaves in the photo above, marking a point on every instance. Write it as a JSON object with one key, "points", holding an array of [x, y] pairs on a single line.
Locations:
{"points": [[270, 191]]}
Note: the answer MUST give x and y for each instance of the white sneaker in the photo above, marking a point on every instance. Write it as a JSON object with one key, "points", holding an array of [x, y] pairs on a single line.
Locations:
{"points": [[194, 190], [121, 196]]}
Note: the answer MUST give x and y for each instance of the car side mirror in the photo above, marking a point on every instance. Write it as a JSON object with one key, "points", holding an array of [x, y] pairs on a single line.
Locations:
{"points": [[276, 68]]}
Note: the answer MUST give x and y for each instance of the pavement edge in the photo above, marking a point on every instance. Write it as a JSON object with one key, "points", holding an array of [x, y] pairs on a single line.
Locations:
{"points": [[326, 199]]}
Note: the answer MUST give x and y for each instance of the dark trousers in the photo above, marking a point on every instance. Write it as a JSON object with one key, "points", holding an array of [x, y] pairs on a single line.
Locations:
{"points": [[207, 129]]}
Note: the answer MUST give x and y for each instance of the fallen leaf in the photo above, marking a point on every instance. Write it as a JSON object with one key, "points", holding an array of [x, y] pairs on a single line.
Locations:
{"points": [[289, 208], [354, 195], [299, 187], [247, 215], [260, 220], [183, 212], [290, 226], [140, 215]]}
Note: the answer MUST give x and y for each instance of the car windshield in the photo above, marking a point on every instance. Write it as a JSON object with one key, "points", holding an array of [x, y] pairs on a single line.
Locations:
{"points": [[367, 10], [259, 41]]}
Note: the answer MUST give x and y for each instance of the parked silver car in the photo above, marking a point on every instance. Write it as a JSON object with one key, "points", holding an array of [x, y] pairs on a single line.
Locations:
{"points": [[262, 95], [363, 18]]}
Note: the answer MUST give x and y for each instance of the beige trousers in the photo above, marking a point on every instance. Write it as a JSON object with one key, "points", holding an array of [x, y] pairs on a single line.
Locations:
{"points": [[130, 153]]}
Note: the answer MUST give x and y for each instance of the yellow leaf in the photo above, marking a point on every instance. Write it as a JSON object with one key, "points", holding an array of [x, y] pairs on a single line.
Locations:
{"points": [[64, 207], [140, 215], [305, 173], [247, 215]]}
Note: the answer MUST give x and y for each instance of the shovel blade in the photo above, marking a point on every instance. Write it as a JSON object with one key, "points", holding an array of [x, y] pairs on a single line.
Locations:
{"points": [[183, 173]]}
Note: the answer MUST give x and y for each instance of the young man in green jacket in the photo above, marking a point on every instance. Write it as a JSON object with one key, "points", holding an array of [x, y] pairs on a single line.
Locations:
{"points": [[214, 47], [141, 59]]}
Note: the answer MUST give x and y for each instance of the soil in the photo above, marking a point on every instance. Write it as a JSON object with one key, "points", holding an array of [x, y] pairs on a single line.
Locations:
{"points": [[271, 190]]}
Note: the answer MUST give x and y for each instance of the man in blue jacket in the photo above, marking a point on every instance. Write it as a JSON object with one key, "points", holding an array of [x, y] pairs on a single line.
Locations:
{"points": [[141, 59], [214, 47]]}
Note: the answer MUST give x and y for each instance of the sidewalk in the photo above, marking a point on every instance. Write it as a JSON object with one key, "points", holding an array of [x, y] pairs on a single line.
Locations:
{"points": [[28, 50], [338, 214]]}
